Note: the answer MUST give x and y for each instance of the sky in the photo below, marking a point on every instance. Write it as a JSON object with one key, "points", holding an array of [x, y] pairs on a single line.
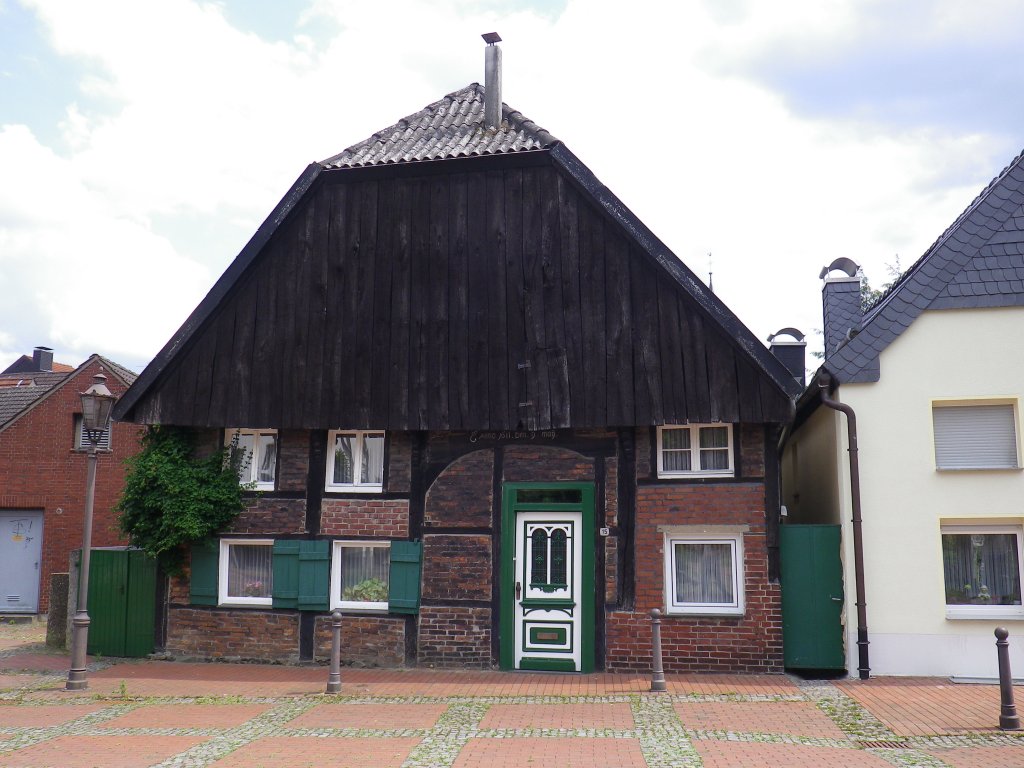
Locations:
{"points": [[143, 143]]}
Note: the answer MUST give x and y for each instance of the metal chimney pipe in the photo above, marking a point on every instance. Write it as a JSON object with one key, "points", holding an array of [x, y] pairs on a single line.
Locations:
{"points": [[492, 81]]}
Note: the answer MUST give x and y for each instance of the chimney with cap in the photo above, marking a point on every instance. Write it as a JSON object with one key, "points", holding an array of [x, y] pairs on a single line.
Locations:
{"points": [[492, 81], [791, 354], [42, 359], [840, 303]]}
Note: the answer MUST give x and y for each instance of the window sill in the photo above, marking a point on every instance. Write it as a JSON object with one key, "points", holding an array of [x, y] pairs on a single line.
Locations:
{"points": [[693, 475], [261, 604], [954, 470], [353, 609], [1010, 613], [354, 489], [706, 613]]}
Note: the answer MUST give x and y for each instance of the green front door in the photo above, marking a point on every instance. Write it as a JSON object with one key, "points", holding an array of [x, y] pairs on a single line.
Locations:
{"points": [[122, 602], [547, 616], [812, 597]]}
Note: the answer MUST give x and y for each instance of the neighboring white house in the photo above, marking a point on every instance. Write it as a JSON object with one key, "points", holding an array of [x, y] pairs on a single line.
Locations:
{"points": [[934, 372]]}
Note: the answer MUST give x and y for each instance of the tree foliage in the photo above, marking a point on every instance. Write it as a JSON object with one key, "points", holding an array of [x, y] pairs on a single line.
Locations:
{"points": [[172, 497]]}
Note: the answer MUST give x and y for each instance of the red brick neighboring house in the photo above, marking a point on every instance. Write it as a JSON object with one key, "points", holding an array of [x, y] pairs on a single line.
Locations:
{"points": [[494, 421], [43, 472]]}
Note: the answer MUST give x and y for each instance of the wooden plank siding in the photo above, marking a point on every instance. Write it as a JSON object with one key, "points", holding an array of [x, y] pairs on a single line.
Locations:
{"points": [[495, 300]]}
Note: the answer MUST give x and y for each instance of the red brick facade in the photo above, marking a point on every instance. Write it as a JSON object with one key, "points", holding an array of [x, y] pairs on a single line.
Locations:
{"points": [[456, 624], [40, 470]]}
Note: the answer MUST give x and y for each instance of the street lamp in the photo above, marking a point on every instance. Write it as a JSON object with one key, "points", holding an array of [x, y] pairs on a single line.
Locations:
{"points": [[97, 402]]}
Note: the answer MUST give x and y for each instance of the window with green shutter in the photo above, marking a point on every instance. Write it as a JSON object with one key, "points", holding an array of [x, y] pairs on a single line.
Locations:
{"points": [[404, 582], [203, 582], [301, 574]]}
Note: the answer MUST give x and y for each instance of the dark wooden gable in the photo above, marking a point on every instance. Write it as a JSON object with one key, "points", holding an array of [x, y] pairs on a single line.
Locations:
{"points": [[477, 294]]}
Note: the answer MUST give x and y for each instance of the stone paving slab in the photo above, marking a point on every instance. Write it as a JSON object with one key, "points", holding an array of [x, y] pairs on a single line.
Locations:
{"points": [[565, 716], [794, 718], [283, 752], [725, 754], [370, 716], [981, 757], [88, 751], [929, 706], [187, 715], [564, 753], [44, 716]]}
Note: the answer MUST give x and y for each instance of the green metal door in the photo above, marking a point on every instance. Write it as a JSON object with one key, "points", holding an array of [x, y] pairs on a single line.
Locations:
{"points": [[812, 597], [122, 602]]}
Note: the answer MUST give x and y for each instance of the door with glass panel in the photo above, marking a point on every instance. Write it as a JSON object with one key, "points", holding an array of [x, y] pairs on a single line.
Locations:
{"points": [[547, 620]]}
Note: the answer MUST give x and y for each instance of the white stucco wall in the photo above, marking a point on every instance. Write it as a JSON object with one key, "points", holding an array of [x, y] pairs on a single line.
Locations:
{"points": [[951, 354]]}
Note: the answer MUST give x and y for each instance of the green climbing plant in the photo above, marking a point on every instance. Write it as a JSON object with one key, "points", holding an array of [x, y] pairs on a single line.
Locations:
{"points": [[173, 497]]}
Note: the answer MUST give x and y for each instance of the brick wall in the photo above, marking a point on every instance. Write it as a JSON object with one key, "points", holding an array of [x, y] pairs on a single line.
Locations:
{"points": [[399, 462], [751, 643], [455, 637], [292, 460], [366, 641], [230, 634], [752, 450], [536, 464], [41, 471], [461, 495], [456, 567], [265, 515], [365, 517]]}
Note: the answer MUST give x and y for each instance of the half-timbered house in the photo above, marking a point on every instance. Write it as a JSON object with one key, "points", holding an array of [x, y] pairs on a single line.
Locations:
{"points": [[492, 418]]}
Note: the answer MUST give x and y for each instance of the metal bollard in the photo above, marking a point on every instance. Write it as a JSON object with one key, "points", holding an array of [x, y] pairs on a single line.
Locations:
{"points": [[658, 678], [334, 678], [1008, 720]]}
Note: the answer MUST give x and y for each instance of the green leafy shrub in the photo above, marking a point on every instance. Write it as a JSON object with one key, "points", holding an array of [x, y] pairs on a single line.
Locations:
{"points": [[366, 591], [173, 498]]}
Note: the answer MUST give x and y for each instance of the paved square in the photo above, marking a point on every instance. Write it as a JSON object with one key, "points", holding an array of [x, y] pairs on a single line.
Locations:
{"points": [[9, 682], [44, 716], [793, 718], [738, 754], [564, 753], [285, 751], [929, 706], [1010, 756], [559, 716], [106, 751], [187, 716], [373, 716]]}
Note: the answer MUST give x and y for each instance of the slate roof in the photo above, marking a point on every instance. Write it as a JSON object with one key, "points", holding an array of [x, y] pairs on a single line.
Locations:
{"points": [[20, 392], [977, 262], [450, 127]]}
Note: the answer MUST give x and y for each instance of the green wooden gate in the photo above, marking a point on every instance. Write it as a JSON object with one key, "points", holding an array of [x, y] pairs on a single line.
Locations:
{"points": [[812, 597], [122, 602]]}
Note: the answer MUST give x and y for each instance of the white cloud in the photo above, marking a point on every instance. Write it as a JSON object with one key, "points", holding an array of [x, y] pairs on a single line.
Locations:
{"points": [[189, 131]]}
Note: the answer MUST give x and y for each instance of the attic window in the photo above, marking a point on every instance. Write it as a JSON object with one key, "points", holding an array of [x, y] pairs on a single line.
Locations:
{"points": [[82, 440], [695, 450]]}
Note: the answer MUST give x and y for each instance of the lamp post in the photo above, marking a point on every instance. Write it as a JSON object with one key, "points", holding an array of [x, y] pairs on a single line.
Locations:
{"points": [[97, 402]]}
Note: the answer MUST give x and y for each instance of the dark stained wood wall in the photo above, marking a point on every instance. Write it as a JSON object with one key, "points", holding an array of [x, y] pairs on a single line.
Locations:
{"points": [[500, 300]]}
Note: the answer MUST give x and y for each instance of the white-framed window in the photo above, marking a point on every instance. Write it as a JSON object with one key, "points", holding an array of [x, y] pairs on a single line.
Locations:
{"points": [[981, 568], [704, 573], [246, 572], [975, 436], [355, 461], [360, 575], [695, 450], [82, 440], [259, 464]]}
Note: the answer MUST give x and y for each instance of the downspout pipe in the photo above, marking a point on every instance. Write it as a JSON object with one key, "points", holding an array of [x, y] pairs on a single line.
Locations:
{"points": [[825, 382]]}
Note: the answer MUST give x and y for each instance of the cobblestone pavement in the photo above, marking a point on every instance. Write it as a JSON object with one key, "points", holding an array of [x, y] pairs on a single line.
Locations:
{"points": [[469, 720]]}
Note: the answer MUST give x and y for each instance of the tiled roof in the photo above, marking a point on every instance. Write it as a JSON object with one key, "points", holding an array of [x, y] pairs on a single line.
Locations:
{"points": [[450, 127], [977, 262], [19, 391]]}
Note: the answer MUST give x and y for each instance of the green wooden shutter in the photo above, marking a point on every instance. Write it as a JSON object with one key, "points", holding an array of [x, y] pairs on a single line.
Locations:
{"points": [[286, 574], [314, 575], [404, 579], [203, 588]]}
